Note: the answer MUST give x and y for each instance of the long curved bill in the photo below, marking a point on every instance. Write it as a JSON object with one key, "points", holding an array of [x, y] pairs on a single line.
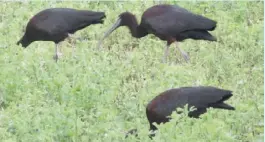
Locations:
{"points": [[115, 26]]}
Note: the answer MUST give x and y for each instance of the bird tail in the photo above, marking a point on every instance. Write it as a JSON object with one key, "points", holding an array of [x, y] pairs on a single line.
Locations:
{"points": [[207, 36], [200, 35], [221, 105], [97, 17], [211, 38]]}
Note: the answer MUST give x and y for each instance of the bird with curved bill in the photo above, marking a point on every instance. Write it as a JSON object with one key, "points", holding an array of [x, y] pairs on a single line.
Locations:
{"points": [[56, 24], [170, 23], [200, 97]]}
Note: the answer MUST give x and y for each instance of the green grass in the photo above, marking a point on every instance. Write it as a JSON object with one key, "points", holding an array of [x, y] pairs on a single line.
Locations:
{"points": [[99, 95]]}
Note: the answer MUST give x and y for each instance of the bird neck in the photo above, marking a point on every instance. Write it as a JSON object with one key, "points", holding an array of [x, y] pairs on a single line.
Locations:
{"points": [[135, 28]]}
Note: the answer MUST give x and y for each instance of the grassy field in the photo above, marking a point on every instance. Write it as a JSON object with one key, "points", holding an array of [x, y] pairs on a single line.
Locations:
{"points": [[99, 95]]}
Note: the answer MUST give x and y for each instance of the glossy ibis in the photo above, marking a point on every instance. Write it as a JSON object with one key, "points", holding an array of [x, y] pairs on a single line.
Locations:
{"points": [[201, 97], [56, 24], [170, 23]]}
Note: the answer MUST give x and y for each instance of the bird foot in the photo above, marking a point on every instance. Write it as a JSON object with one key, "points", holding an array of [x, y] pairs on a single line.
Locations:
{"points": [[59, 54]]}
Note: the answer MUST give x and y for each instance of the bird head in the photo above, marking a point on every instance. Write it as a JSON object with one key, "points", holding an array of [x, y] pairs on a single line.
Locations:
{"points": [[125, 19], [131, 132], [24, 41], [134, 132]]}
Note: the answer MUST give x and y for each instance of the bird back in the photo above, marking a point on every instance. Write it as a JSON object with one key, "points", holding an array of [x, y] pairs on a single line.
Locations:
{"points": [[64, 20], [172, 19], [199, 97]]}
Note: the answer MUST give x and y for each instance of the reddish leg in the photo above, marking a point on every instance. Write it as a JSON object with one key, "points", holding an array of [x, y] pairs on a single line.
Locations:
{"points": [[166, 51]]}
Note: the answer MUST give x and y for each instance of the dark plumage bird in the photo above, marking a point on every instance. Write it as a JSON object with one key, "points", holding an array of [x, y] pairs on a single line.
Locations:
{"points": [[56, 24], [200, 97], [168, 22]]}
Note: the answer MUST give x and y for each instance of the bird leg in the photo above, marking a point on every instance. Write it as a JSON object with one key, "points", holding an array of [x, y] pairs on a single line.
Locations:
{"points": [[183, 53], [71, 36], [170, 40], [55, 57], [164, 60], [57, 54]]}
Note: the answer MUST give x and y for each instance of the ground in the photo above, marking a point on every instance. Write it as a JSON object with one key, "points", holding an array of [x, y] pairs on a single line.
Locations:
{"points": [[98, 95]]}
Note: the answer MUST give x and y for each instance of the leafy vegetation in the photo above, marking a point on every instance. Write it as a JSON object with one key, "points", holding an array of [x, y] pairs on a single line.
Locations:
{"points": [[99, 95]]}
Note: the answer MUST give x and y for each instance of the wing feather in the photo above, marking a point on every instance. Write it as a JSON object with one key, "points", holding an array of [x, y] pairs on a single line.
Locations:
{"points": [[174, 19]]}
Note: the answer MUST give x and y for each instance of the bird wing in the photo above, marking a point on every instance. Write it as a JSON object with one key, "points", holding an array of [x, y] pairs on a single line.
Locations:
{"points": [[84, 18], [49, 23], [67, 21], [198, 97], [175, 19], [203, 96]]}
